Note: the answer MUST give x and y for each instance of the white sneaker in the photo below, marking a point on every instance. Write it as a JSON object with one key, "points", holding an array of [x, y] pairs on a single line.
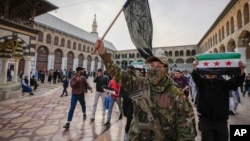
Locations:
{"points": [[126, 137]]}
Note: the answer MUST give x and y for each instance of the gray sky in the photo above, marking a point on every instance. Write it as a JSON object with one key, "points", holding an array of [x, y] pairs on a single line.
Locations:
{"points": [[175, 22]]}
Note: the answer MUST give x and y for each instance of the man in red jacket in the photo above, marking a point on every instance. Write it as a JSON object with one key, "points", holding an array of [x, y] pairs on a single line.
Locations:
{"points": [[114, 97]]}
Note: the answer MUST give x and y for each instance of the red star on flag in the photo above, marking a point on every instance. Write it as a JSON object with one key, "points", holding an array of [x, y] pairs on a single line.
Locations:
{"points": [[205, 64], [228, 63], [216, 63]]}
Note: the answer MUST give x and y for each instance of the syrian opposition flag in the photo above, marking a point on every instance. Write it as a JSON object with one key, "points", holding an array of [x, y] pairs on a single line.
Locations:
{"points": [[219, 63]]}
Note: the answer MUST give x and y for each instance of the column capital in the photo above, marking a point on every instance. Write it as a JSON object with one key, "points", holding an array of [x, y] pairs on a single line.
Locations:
{"points": [[27, 58]]}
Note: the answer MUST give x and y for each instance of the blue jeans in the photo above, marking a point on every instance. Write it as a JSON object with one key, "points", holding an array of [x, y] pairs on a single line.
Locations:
{"points": [[74, 99], [64, 91], [111, 105]]}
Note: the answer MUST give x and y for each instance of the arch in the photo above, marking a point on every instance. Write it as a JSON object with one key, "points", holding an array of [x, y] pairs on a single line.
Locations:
{"points": [[80, 60], [118, 63], [42, 58], [193, 52], [222, 49], [70, 60], [56, 40], [74, 45], [48, 39], [222, 33], [239, 19], [170, 53], [231, 45], [58, 59], [88, 49], [188, 53], [227, 28], [232, 24], [166, 53], [79, 47], [243, 41], [83, 48], [216, 38], [170, 61], [40, 37], [190, 60], [179, 61], [215, 50], [62, 42], [219, 34], [69, 44], [181, 53], [246, 13], [176, 53]]}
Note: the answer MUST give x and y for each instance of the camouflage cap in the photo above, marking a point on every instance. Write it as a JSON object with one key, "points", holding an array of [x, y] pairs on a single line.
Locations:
{"points": [[159, 56]]}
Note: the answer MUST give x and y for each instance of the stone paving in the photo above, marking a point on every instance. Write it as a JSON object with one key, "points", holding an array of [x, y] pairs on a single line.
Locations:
{"points": [[41, 117]]}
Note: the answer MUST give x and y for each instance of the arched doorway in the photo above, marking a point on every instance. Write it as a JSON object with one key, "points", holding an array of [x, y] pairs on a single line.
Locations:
{"points": [[231, 46], [58, 59], [42, 58], [80, 60], [70, 60]]}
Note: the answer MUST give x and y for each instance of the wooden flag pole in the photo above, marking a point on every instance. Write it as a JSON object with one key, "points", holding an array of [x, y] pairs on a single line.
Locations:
{"points": [[125, 5], [118, 14], [103, 36]]}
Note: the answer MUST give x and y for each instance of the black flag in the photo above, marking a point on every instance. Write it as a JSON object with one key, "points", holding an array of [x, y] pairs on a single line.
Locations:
{"points": [[138, 17]]}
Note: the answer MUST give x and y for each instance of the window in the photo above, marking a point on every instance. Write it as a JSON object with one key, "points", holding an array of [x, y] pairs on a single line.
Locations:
{"points": [[40, 36], [48, 39], [69, 44], [62, 42], [239, 20], [56, 40]]}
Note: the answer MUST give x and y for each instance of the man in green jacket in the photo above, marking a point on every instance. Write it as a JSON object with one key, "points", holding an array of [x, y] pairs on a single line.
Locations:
{"points": [[165, 113]]}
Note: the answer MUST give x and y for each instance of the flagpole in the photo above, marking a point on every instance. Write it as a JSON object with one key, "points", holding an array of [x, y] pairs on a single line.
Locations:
{"points": [[103, 36], [118, 14]]}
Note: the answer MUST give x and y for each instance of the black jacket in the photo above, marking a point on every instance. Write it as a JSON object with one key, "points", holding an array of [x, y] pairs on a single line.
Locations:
{"points": [[101, 81], [213, 100]]}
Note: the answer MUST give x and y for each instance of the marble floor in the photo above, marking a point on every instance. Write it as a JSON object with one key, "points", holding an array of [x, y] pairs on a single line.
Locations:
{"points": [[41, 118]]}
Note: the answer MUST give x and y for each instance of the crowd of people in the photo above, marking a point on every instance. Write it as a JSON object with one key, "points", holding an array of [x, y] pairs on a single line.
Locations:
{"points": [[157, 105]]}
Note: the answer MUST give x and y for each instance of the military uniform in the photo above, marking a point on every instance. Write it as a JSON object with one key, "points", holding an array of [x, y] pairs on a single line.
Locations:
{"points": [[170, 109]]}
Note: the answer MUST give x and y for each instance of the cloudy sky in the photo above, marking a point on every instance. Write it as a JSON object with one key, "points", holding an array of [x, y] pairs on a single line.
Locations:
{"points": [[175, 22]]}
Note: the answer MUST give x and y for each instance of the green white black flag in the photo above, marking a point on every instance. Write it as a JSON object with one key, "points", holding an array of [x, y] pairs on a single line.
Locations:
{"points": [[219, 63], [138, 18]]}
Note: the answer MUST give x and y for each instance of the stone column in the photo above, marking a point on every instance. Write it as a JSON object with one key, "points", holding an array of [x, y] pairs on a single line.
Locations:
{"points": [[85, 64], [242, 51], [51, 59], [27, 67], [75, 63], [16, 69], [92, 66], [64, 63], [99, 65], [5, 62]]}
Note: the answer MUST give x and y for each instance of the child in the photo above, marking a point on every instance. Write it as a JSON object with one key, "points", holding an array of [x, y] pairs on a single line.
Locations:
{"points": [[65, 86]]}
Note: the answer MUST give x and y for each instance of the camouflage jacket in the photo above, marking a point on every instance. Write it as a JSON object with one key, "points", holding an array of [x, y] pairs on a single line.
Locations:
{"points": [[170, 107]]}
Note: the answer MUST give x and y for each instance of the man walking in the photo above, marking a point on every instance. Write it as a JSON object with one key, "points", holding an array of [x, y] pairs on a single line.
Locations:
{"points": [[78, 83], [100, 81]]}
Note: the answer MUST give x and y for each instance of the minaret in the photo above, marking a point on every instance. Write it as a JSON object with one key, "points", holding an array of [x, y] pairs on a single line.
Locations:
{"points": [[94, 27]]}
